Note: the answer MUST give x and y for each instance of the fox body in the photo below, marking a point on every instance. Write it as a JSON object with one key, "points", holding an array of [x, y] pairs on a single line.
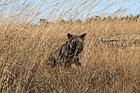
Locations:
{"points": [[68, 53]]}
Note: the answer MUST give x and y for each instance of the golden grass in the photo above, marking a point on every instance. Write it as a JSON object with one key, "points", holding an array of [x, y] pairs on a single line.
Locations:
{"points": [[110, 59], [107, 66]]}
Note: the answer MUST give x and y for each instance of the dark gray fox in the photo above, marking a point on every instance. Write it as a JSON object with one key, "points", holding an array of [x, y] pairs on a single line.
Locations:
{"points": [[68, 54]]}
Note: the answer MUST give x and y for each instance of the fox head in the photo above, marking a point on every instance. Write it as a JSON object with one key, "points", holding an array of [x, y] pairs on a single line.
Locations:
{"points": [[76, 42]]}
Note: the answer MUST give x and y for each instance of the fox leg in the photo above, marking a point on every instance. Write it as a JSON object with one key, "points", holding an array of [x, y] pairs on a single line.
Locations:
{"points": [[76, 61]]}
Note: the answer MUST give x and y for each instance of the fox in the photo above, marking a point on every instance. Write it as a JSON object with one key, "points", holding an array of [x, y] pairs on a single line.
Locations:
{"points": [[68, 53]]}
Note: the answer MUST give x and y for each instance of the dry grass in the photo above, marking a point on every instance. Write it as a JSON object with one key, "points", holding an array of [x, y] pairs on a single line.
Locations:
{"points": [[107, 66], [110, 59]]}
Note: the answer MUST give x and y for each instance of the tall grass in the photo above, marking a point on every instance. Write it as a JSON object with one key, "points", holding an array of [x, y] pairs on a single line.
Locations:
{"points": [[111, 66]]}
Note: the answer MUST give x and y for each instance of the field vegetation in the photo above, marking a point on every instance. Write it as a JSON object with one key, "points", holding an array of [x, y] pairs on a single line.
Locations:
{"points": [[110, 59]]}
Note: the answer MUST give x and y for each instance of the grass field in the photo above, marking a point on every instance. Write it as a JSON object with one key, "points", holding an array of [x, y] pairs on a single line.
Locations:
{"points": [[110, 58], [107, 67]]}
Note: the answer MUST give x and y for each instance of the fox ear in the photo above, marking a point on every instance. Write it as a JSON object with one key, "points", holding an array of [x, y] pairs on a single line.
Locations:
{"points": [[69, 35], [83, 35]]}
